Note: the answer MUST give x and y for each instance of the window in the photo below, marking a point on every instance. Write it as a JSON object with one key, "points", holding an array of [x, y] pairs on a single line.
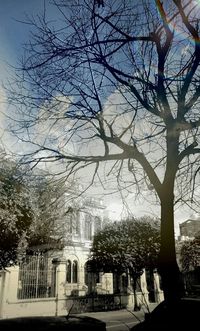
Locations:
{"points": [[75, 272], [74, 220], [86, 274], [72, 272], [69, 271], [88, 228]]}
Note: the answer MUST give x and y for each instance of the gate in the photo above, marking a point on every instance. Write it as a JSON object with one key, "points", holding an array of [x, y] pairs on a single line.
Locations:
{"points": [[36, 277]]}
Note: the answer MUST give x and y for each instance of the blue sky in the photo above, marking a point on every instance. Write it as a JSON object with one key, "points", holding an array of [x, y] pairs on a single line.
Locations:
{"points": [[12, 36], [13, 33]]}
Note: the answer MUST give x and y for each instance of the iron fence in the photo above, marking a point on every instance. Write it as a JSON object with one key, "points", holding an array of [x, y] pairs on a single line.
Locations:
{"points": [[36, 278], [92, 303]]}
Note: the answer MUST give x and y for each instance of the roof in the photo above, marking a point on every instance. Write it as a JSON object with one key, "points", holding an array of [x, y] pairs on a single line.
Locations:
{"points": [[190, 221]]}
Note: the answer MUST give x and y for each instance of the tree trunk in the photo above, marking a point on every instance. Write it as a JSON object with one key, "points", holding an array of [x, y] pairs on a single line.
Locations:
{"points": [[172, 282]]}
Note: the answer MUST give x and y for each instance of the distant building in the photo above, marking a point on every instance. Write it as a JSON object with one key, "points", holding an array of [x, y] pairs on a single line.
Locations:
{"points": [[189, 229], [83, 224]]}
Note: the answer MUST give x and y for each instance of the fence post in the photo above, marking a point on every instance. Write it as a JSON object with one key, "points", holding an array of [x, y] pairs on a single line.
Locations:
{"points": [[82, 287], [9, 287], [159, 295], [60, 265], [13, 283], [3, 290], [145, 293]]}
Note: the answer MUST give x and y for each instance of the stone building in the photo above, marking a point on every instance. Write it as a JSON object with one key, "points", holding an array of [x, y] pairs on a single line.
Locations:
{"points": [[55, 282], [189, 229], [82, 225], [87, 218]]}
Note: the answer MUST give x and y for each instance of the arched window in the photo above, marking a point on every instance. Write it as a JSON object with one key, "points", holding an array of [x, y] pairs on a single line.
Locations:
{"points": [[69, 272], [88, 227], [75, 272]]}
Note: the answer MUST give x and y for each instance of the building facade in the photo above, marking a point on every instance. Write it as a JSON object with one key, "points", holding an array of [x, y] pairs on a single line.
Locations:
{"points": [[189, 229], [85, 220], [56, 282], [82, 225]]}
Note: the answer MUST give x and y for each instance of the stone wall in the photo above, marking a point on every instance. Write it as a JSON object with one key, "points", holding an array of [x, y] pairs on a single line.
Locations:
{"points": [[11, 306]]}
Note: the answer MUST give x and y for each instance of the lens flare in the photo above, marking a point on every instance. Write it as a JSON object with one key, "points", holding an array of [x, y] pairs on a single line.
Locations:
{"points": [[173, 19]]}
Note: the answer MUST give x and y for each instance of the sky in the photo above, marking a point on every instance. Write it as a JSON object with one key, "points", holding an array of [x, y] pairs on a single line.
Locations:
{"points": [[12, 36], [12, 32]]}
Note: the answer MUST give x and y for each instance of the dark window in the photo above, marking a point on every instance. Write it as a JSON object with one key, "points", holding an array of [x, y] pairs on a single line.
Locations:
{"points": [[69, 271], [86, 274], [75, 272]]}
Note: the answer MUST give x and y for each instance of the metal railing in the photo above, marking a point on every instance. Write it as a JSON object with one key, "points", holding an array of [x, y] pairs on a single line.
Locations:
{"points": [[99, 302], [36, 278]]}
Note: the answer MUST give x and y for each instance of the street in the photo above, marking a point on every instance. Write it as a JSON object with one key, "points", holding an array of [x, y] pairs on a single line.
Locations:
{"points": [[120, 320]]}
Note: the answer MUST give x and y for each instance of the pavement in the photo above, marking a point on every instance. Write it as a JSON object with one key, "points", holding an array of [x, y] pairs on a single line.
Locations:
{"points": [[103, 314], [119, 320], [183, 315]]}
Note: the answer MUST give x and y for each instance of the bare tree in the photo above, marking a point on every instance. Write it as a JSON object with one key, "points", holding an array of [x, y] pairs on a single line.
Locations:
{"points": [[118, 82]]}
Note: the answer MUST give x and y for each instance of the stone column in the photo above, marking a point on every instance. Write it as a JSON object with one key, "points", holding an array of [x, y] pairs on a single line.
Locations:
{"points": [[145, 293], [82, 288], [159, 295], [60, 265], [9, 288], [130, 296], [3, 291], [13, 279]]}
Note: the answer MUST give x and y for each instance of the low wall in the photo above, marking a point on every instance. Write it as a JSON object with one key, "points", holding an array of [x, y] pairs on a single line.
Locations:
{"points": [[61, 304], [11, 306], [33, 307]]}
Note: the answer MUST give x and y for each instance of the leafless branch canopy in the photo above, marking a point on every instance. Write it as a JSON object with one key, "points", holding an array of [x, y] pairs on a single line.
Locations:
{"points": [[115, 81]]}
